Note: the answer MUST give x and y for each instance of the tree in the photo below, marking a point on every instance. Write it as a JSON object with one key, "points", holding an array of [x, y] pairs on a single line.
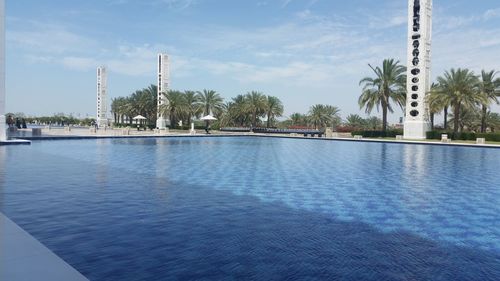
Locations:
{"points": [[489, 87], [298, 119], [274, 108], [193, 106], [389, 84], [458, 89], [211, 101], [175, 107], [436, 104], [256, 104], [323, 115], [493, 121], [355, 121], [238, 111]]}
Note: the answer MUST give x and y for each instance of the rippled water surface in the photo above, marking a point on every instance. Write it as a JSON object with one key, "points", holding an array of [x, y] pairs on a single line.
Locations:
{"points": [[253, 208]]}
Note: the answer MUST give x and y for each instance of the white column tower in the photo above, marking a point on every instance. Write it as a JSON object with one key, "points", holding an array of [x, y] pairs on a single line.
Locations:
{"points": [[163, 84], [102, 88], [419, 68], [3, 133]]}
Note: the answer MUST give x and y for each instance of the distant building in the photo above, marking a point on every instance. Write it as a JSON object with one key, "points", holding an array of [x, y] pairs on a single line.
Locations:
{"points": [[163, 86], [419, 68], [102, 88]]}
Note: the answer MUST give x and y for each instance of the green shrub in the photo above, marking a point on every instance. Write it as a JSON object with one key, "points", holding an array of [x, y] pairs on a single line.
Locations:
{"points": [[378, 134], [471, 136]]}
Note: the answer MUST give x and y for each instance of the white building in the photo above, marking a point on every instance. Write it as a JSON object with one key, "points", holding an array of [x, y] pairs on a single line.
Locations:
{"points": [[102, 88], [163, 85], [419, 68], [3, 133]]}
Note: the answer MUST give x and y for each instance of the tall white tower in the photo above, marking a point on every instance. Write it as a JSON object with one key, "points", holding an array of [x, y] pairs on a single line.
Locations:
{"points": [[419, 68], [3, 133], [163, 84], [102, 88]]}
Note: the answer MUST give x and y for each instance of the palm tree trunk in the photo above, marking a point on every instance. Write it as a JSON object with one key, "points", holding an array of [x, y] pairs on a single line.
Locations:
{"points": [[268, 119], [446, 117], [384, 117], [432, 121], [456, 113], [483, 119]]}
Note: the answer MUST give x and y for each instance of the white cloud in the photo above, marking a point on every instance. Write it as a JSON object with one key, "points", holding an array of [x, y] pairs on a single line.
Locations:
{"points": [[285, 3], [47, 38], [80, 63], [491, 14], [178, 4]]}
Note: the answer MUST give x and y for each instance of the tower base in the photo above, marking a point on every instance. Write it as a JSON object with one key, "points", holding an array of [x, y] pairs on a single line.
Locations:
{"points": [[416, 130], [102, 123], [162, 123]]}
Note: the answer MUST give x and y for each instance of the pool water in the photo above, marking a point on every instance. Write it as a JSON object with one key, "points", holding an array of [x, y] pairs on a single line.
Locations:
{"points": [[251, 208]]}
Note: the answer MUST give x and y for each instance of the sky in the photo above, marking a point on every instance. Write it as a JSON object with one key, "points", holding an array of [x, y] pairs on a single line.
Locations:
{"points": [[303, 51]]}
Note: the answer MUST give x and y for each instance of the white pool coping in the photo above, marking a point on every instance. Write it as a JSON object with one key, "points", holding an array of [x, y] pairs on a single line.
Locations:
{"points": [[22, 257], [15, 142]]}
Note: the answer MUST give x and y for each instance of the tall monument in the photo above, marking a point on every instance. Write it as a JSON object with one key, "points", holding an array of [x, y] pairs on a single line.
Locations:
{"points": [[3, 133], [163, 84], [102, 88], [419, 68]]}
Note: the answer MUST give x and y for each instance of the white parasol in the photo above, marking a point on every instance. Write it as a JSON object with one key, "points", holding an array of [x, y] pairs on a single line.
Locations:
{"points": [[208, 118]]}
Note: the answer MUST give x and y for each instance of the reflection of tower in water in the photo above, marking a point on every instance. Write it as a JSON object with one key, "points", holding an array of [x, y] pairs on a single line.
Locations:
{"points": [[102, 157], [162, 166]]}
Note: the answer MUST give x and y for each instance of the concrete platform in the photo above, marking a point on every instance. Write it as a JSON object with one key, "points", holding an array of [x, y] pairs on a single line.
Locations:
{"points": [[15, 142], [22, 257]]}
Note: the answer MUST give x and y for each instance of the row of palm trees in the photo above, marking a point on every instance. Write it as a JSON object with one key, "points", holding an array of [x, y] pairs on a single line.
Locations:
{"points": [[242, 110], [460, 90], [319, 116], [466, 94]]}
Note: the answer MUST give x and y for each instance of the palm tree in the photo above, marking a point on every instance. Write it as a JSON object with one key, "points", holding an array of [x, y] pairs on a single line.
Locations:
{"points": [[238, 110], [274, 108], [435, 104], [333, 113], [211, 101], [322, 115], [193, 106], [438, 101], [256, 105], [388, 84], [175, 107], [493, 121], [297, 119], [458, 88], [148, 103], [355, 121], [118, 109], [489, 86]]}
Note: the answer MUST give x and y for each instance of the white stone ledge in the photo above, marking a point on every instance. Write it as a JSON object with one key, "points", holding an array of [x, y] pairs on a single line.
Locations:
{"points": [[22, 257]]}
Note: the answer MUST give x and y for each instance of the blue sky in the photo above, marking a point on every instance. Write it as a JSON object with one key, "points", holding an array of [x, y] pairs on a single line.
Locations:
{"points": [[303, 51]]}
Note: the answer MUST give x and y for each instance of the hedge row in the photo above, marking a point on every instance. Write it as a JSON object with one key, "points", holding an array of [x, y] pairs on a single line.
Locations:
{"points": [[378, 134], [464, 135]]}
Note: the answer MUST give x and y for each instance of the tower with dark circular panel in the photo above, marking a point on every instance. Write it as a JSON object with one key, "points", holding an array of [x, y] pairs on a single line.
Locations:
{"points": [[419, 68]]}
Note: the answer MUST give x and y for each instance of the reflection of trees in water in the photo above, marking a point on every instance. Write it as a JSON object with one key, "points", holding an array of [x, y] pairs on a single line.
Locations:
{"points": [[3, 173]]}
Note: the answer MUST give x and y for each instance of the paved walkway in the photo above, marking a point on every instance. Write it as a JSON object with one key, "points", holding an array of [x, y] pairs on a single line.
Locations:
{"points": [[22, 257], [60, 133]]}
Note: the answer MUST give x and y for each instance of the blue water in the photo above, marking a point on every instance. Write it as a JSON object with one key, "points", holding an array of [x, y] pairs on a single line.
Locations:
{"points": [[248, 208]]}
